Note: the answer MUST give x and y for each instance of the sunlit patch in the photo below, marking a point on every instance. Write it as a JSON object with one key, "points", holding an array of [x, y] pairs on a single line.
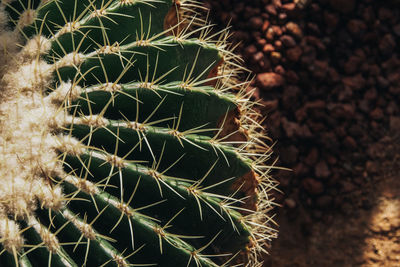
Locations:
{"points": [[386, 216]]}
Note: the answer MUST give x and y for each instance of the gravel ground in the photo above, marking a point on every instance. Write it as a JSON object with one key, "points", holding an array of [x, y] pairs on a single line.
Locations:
{"points": [[328, 74]]}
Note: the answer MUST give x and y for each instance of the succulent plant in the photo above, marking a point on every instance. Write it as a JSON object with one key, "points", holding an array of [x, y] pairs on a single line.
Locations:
{"points": [[120, 142]]}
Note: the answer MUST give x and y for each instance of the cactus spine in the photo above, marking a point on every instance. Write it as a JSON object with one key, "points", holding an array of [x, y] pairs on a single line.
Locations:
{"points": [[120, 144]]}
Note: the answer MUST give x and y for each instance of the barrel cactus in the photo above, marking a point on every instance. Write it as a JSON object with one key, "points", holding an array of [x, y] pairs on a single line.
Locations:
{"points": [[120, 142]]}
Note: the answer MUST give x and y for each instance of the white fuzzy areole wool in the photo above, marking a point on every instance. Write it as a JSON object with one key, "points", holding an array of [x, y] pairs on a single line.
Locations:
{"points": [[28, 156]]}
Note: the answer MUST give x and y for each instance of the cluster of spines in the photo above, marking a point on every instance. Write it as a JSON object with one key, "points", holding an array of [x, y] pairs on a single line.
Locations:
{"points": [[244, 140]]}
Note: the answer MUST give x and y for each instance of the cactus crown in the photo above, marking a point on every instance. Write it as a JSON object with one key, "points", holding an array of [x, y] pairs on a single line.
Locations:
{"points": [[120, 144]]}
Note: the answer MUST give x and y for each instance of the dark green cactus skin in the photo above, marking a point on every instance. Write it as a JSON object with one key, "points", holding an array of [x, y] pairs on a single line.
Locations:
{"points": [[171, 199]]}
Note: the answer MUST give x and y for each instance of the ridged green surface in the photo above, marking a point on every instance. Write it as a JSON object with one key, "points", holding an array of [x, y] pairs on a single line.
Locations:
{"points": [[178, 180]]}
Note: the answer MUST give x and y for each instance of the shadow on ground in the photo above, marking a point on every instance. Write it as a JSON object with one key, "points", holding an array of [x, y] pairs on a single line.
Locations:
{"points": [[368, 234]]}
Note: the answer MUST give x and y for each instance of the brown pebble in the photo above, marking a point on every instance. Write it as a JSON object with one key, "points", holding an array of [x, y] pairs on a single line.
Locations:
{"points": [[382, 82], [313, 28], [334, 75], [294, 29], [289, 6], [396, 29], [374, 70], [376, 150], [261, 42], [258, 57], [290, 203], [277, 3], [322, 170], [256, 22], [313, 186], [392, 109], [271, 10], [294, 54], [371, 94], [302, 3], [394, 124], [268, 48], [250, 50], [347, 187], [270, 34], [312, 157], [376, 114], [291, 77], [309, 55], [387, 44], [265, 25], [356, 82], [356, 26], [291, 128], [331, 160], [279, 70], [268, 80], [276, 57], [394, 78], [282, 16], [372, 167], [301, 169], [277, 30], [278, 44], [350, 142], [352, 65], [291, 96], [340, 131], [319, 69], [345, 94], [288, 41], [316, 42]]}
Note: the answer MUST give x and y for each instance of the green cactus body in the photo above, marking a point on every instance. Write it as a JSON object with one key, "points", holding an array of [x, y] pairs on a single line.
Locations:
{"points": [[120, 142]]}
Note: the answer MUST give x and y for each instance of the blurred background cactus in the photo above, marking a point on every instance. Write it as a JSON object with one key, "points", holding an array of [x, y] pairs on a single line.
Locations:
{"points": [[120, 142]]}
